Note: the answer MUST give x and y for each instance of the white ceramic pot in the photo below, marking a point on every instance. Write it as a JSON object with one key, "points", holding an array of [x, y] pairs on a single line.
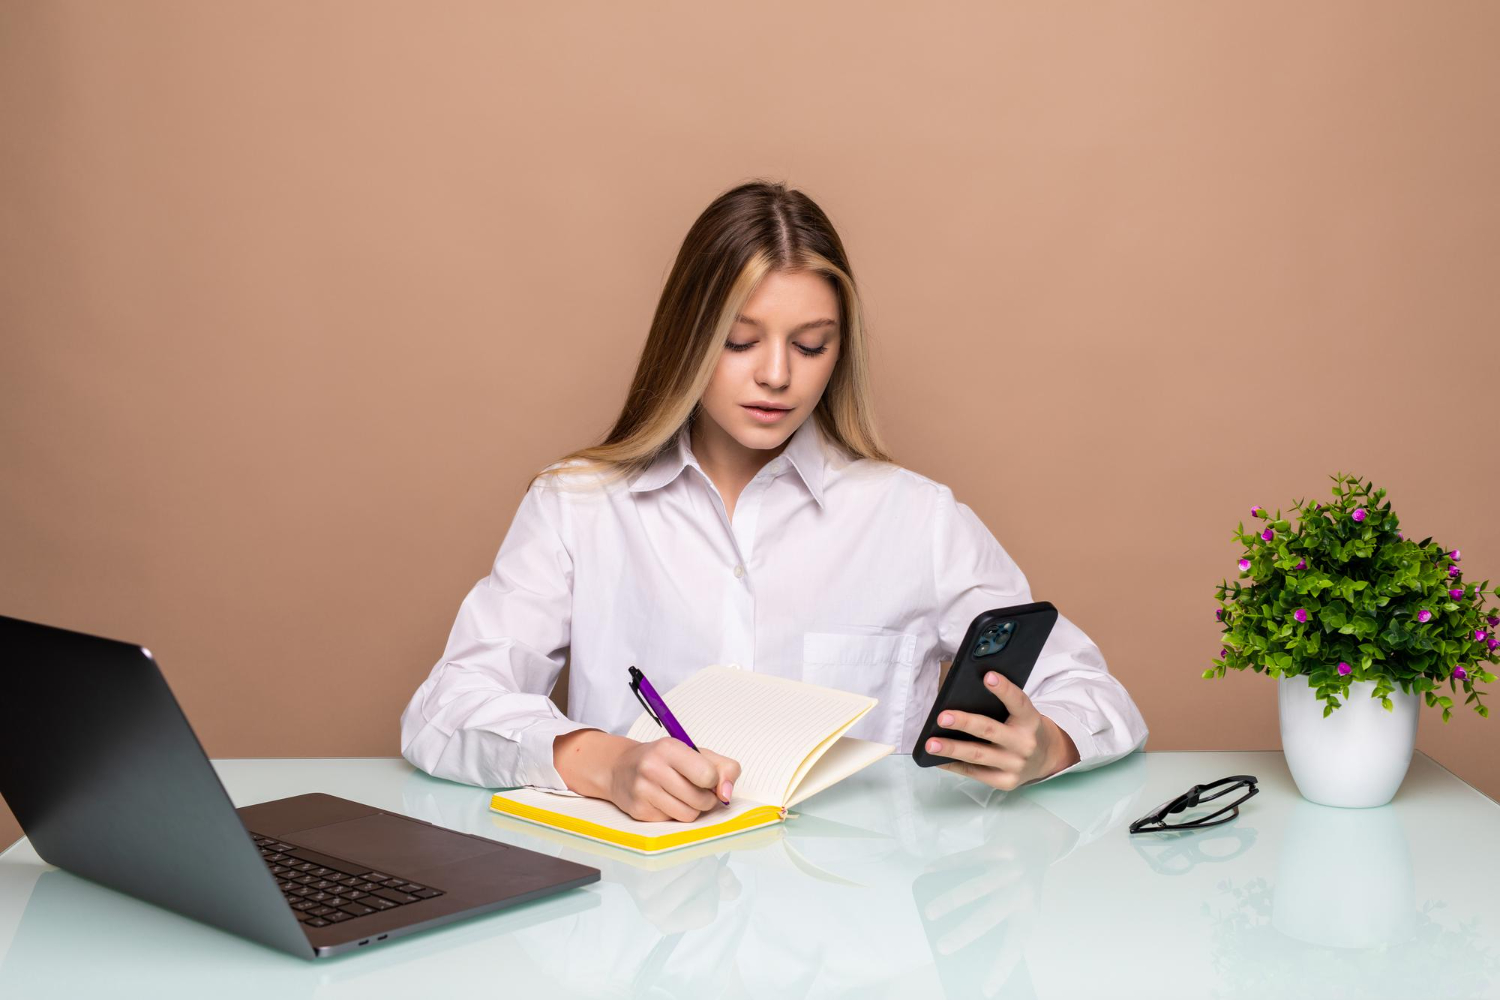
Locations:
{"points": [[1357, 756]]}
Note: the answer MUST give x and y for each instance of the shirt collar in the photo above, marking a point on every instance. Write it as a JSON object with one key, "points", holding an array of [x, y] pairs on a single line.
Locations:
{"points": [[805, 452]]}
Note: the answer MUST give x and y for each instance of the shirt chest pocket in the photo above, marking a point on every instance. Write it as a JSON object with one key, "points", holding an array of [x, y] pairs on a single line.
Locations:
{"points": [[866, 660]]}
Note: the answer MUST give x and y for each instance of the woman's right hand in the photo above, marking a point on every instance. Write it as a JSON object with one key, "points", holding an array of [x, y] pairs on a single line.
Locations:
{"points": [[661, 780]]}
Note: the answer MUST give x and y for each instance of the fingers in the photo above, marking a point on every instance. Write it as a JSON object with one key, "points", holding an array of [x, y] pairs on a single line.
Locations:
{"points": [[699, 799], [983, 754], [684, 775], [1016, 736], [1011, 696], [639, 808], [1005, 781], [648, 802], [729, 773], [668, 804], [673, 782], [689, 763]]}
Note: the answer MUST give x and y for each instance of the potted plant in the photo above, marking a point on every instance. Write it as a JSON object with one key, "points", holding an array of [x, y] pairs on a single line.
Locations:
{"points": [[1346, 611]]}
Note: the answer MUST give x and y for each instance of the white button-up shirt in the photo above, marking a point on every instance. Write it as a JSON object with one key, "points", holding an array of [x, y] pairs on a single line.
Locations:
{"points": [[857, 575]]}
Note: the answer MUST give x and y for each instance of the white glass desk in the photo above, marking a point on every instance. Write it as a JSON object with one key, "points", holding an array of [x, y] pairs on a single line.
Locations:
{"points": [[900, 882]]}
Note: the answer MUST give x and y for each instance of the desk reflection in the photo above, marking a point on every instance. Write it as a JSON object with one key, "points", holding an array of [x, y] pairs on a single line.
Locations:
{"points": [[1179, 852], [898, 881], [1341, 918], [78, 939]]}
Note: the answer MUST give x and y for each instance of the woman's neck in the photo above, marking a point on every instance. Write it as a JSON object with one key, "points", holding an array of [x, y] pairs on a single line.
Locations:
{"points": [[727, 462]]}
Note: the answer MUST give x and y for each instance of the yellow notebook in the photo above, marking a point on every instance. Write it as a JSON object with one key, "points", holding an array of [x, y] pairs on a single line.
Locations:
{"points": [[788, 737]]}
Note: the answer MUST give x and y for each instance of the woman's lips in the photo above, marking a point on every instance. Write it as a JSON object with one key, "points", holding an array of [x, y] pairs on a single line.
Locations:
{"points": [[766, 416]]}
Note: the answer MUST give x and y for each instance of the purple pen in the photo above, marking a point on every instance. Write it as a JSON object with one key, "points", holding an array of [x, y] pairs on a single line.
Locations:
{"points": [[657, 707]]}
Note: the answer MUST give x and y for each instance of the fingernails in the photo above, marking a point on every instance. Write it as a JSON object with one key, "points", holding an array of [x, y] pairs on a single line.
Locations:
{"points": [[728, 791], [992, 678], [934, 746], [946, 719]]}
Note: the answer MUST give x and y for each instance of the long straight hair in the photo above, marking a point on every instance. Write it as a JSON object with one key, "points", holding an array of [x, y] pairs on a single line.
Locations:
{"points": [[744, 234]]}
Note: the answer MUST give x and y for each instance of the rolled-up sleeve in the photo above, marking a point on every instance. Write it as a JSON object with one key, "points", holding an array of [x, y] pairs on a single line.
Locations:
{"points": [[1070, 683], [483, 715]]}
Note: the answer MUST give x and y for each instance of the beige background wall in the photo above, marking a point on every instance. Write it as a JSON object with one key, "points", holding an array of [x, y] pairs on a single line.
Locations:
{"points": [[295, 298]]}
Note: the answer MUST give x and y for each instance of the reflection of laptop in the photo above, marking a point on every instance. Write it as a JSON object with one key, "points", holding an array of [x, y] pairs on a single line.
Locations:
{"points": [[104, 774]]}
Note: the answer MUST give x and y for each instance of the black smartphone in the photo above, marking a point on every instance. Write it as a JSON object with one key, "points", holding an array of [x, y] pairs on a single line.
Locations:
{"points": [[1005, 640]]}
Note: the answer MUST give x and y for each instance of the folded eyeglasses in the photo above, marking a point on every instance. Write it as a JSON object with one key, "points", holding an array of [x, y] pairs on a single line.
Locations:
{"points": [[1156, 820]]}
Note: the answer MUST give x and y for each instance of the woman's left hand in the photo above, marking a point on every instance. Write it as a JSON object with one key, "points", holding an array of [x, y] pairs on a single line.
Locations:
{"points": [[1025, 747]]}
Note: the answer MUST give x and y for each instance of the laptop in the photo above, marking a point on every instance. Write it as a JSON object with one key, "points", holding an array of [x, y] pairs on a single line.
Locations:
{"points": [[103, 772]]}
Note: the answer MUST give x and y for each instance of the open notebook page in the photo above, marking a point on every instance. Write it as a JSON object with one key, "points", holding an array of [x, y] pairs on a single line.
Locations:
{"points": [[846, 756], [771, 725]]}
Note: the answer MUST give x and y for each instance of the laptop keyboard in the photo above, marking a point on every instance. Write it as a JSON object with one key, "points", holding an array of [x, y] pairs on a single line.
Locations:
{"points": [[324, 890]]}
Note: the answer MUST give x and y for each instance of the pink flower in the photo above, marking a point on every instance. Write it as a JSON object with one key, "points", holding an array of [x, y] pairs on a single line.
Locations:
{"points": [[1456, 593], [1359, 514], [1268, 534], [1223, 653], [1460, 673], [1301, 614], [1244, 564], [1492, 642], [1454, 555], [1301, 564], [1479, 635], [1399, 536], [1493, 619], [1218, 614], [1424, 615], [1454, 570], [1256, 511], [1344, 669]]}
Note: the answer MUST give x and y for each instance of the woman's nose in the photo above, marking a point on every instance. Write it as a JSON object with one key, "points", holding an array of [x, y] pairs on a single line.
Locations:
{"points": [[775, 369]]}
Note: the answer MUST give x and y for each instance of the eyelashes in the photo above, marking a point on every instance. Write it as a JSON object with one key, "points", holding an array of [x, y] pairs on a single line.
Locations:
{"points": [[807, 351]]}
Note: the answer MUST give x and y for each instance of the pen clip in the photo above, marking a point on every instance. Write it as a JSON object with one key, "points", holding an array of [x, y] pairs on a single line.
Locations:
{"points": [[635, 688]]}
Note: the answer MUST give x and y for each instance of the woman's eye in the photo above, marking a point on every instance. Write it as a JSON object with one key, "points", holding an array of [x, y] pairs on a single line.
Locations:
{"points": [[811, 352]]}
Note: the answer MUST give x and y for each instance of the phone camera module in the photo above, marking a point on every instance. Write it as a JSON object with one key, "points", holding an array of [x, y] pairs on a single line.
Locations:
{"points": [[993, 639]]}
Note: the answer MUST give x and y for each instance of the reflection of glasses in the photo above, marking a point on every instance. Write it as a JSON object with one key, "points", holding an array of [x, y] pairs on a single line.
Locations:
{"points": [[1156, 820], [1178, 854]]}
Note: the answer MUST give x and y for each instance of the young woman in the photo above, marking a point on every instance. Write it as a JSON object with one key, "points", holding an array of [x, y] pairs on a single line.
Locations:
{"points": [[743, 511]]}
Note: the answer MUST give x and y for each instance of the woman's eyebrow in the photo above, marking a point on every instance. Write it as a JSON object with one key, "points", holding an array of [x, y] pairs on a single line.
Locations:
{"points": [[809, 325]]}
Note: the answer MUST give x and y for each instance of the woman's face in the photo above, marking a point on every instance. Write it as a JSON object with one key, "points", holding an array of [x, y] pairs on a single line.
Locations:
{"points": [[781, 352]]}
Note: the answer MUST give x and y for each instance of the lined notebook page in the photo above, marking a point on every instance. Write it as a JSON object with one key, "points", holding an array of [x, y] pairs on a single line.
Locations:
{"points": [[842, 759], [769, 724]]}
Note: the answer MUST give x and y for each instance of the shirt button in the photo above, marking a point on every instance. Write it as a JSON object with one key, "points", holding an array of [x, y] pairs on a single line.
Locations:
{"points": [[739, 571]]}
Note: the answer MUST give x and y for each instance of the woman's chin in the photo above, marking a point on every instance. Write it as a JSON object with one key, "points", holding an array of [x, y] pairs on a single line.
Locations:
{"points": [[764, 437]]}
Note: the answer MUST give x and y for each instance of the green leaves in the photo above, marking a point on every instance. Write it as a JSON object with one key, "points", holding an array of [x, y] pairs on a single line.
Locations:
{"points": [[1363, 585], [1347, 587]]}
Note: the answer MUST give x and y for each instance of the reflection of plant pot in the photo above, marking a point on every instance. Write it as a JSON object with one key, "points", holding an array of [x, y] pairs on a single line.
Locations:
{"points": [[1355, 757], [1345, 878]]}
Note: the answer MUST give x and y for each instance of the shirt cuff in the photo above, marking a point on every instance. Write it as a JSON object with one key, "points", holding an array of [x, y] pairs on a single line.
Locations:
{"points": [[1082, 736], [537, 769]]}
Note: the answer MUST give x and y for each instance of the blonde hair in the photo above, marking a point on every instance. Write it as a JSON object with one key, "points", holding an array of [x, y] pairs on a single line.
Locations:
{"points": [[743, 235]]}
